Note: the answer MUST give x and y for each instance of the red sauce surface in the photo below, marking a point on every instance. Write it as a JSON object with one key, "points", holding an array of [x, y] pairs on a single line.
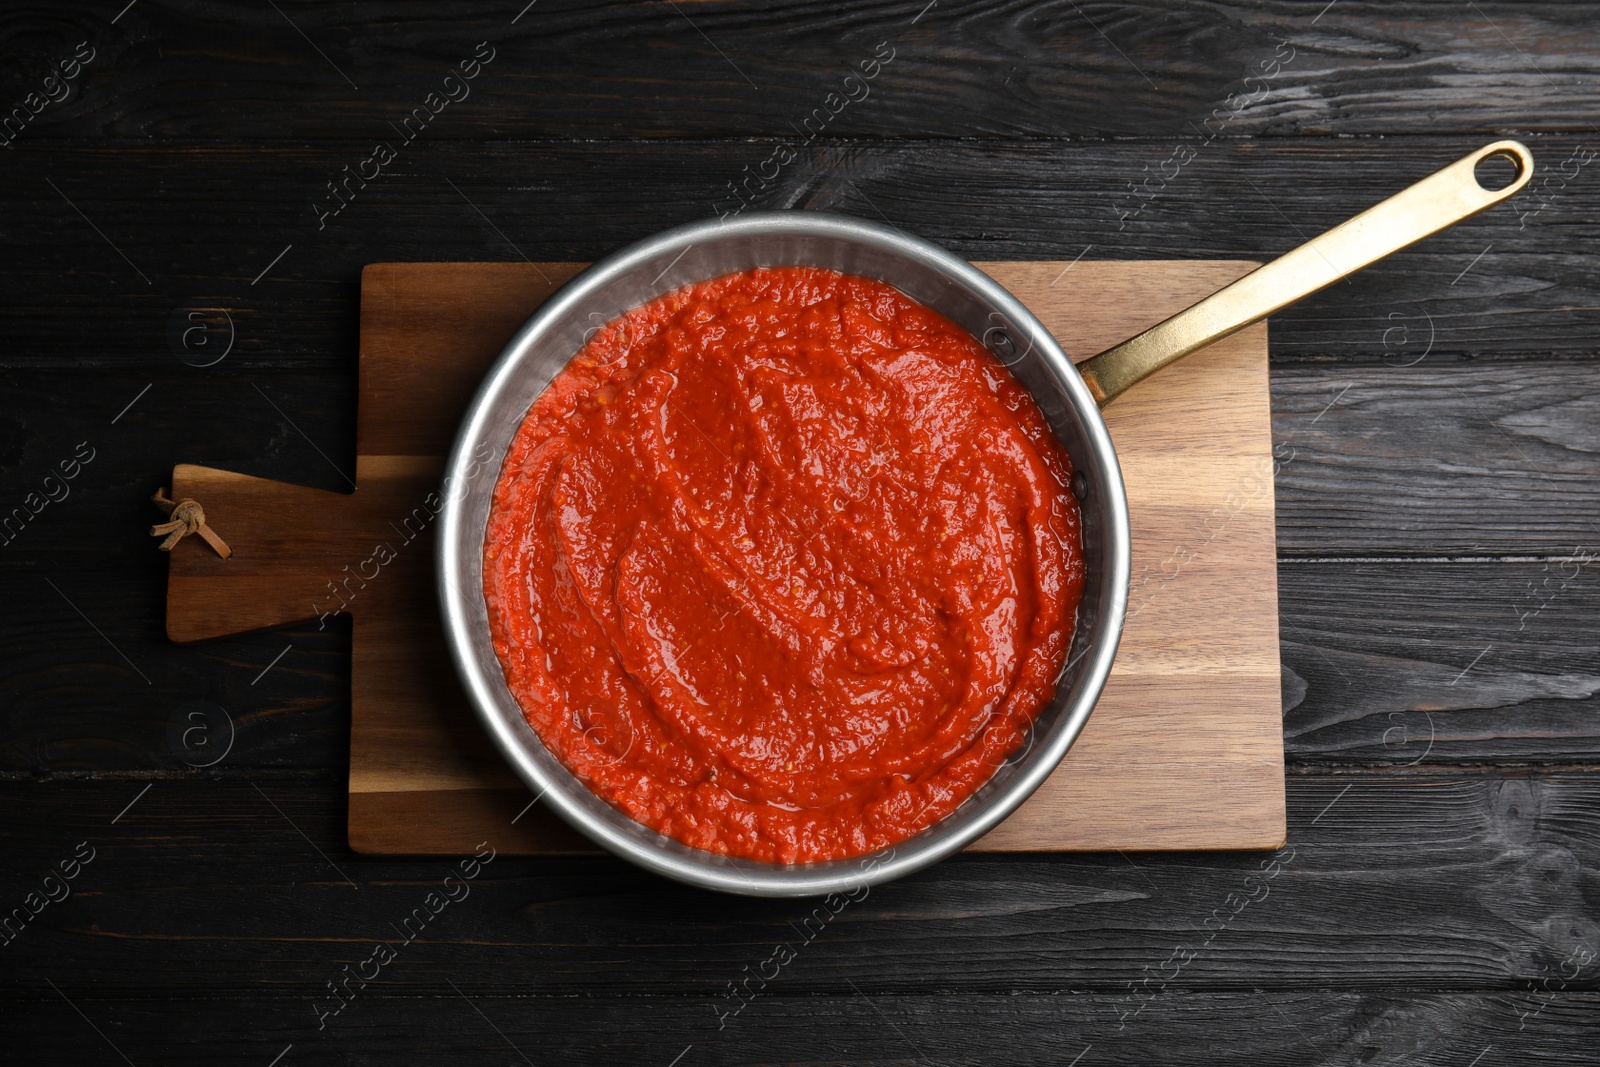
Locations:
{"points": [[783, 565]]}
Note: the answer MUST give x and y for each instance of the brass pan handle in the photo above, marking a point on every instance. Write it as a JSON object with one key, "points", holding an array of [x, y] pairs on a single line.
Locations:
{"points": [[1436, 202]]}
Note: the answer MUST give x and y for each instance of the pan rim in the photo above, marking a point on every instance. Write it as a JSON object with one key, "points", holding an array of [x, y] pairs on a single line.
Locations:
{"points": [[464, 614]]}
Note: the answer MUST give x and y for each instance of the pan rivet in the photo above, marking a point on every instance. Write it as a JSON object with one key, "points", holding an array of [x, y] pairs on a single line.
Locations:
{"points": [[1080, 485]]}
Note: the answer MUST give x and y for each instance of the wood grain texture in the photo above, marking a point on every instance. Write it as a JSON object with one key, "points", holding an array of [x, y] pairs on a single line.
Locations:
{"points": [[1448, 458], [1527, 295], [1427, 909], [1400, 663], [1374, 653], [1182, 752], [581, 70], [1249, 1028], [1466, 881], [1452, 442]]}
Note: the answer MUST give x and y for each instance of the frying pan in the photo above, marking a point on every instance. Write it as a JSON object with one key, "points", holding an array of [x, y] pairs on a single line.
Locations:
{"points": [[1069, 397]]}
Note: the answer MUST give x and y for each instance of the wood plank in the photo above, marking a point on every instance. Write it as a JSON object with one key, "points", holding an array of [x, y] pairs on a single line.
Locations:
{"points": [[437, 817], [1527, 295], [453, 314], [1469, 880], [1443, 459], [568, 69], [1245, 1028], [1374, 652], [1466, 459], [1399, 663]]}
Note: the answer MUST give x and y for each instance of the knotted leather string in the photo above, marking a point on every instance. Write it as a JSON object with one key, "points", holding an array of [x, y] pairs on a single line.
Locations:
{"points": [[186, 517]]}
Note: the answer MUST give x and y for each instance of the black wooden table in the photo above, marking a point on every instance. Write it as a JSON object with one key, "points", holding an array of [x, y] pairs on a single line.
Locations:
{"points": [[188, 192]]}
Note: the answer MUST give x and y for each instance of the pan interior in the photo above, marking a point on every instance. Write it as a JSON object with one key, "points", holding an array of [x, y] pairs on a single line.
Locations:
{"points": [[707, 250]]}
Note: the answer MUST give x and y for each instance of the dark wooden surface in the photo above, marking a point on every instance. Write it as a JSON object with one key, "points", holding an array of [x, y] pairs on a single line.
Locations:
{"points": [[1439, 901]]}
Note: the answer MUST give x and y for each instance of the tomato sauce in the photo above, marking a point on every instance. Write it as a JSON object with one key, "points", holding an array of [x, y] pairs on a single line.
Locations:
{"points": [[783, 565]]}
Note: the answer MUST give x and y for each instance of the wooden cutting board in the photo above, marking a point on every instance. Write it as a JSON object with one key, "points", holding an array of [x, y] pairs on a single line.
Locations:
{"points": [[1184, 750]]}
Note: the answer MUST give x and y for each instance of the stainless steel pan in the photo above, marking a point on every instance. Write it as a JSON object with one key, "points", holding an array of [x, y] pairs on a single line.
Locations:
{"points": [[1070, 399]]}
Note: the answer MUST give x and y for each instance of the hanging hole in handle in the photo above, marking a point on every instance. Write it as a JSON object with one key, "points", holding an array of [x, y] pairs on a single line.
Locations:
{"points": [[1497, 170]]}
